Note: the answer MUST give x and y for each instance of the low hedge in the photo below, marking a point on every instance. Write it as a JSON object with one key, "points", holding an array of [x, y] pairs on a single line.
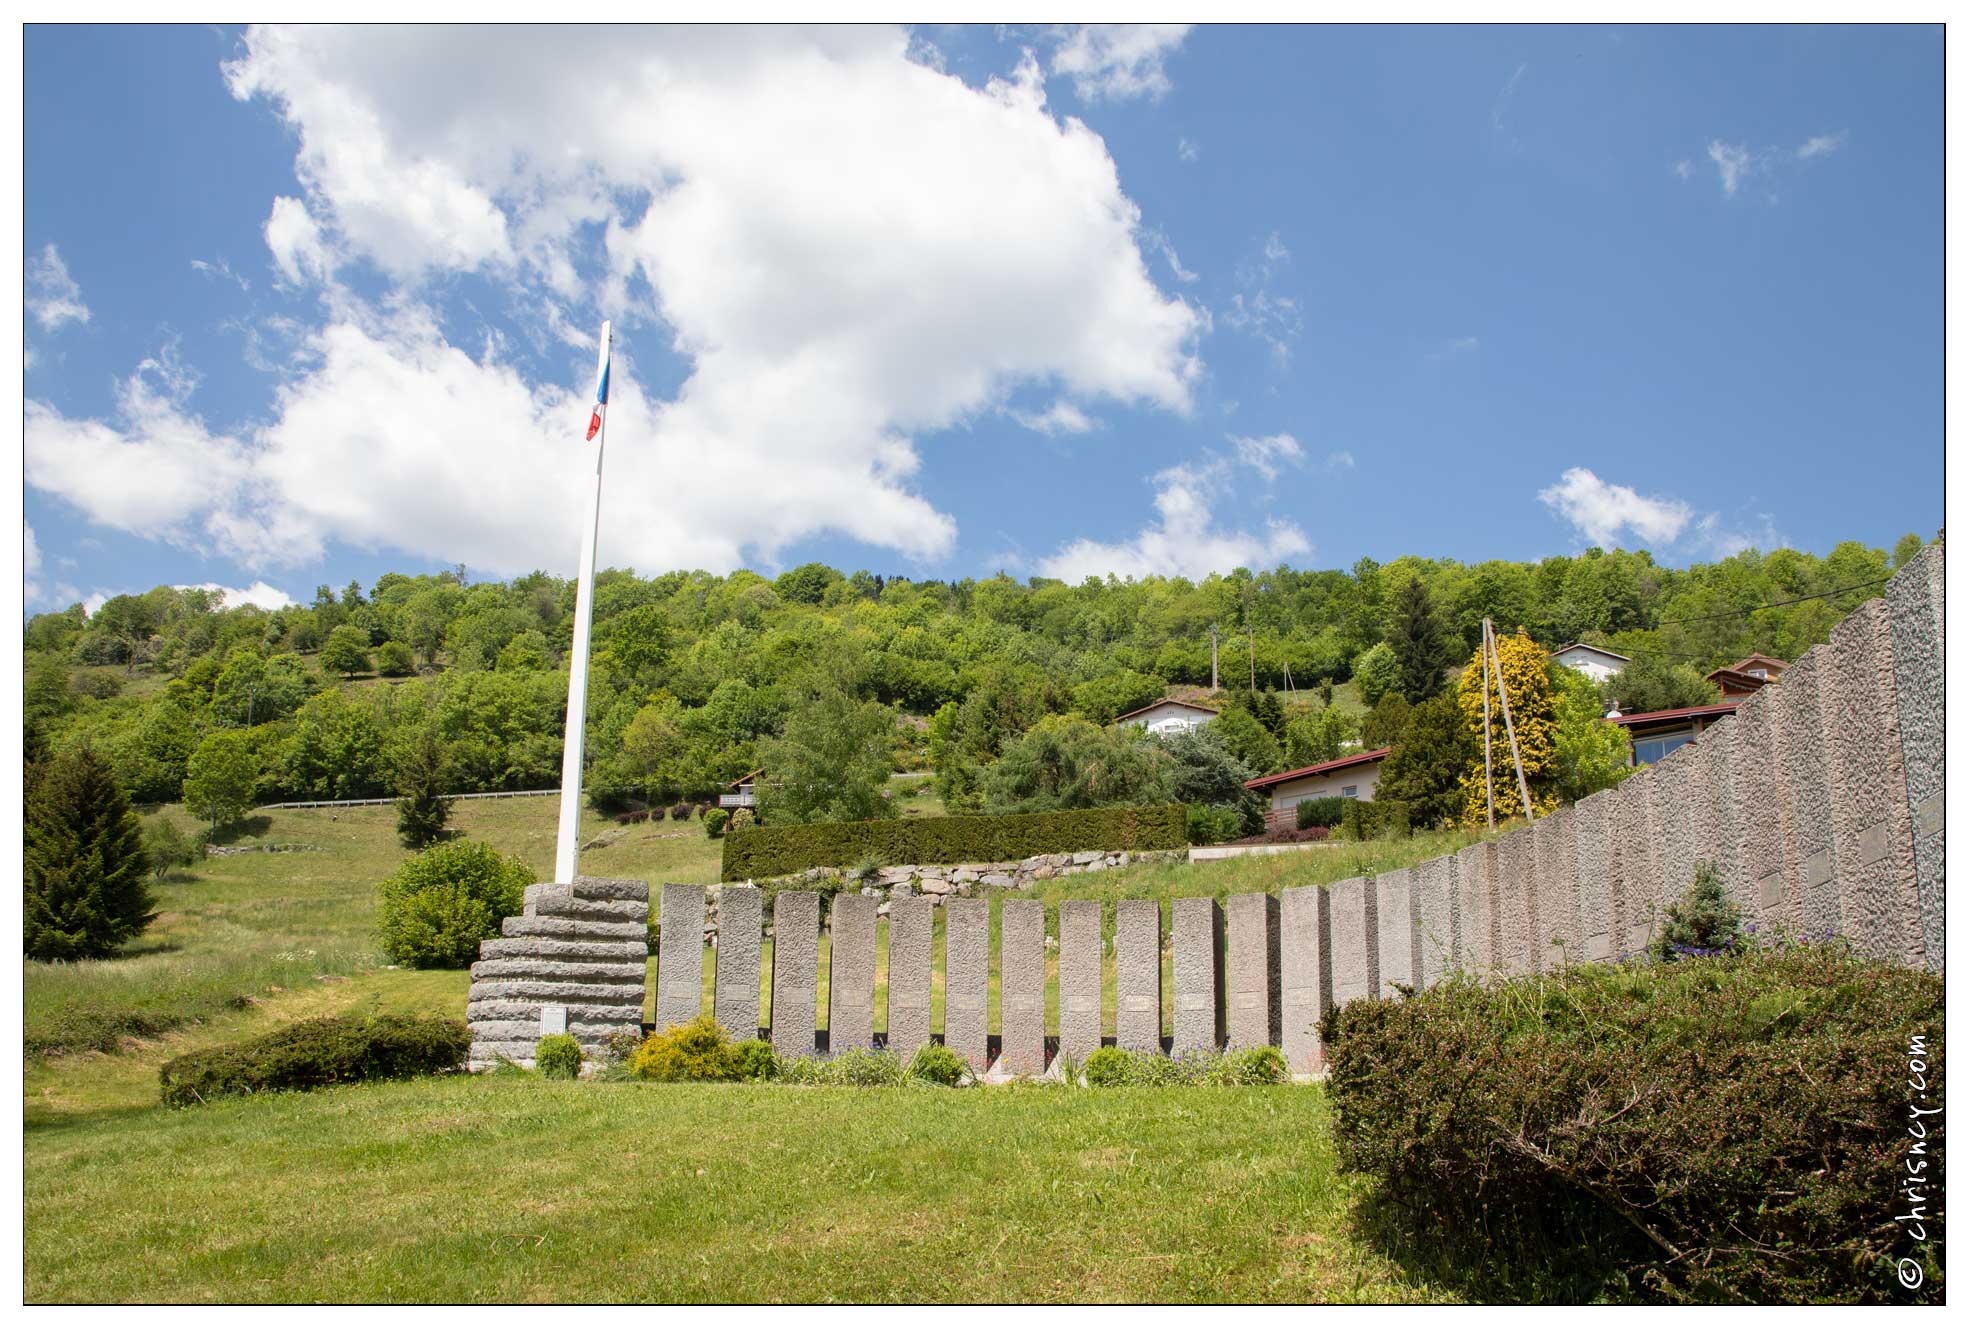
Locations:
{"points": [[312, 1054], [776, 851], [1374, 819], [1327, 812], [1733, 1127]]}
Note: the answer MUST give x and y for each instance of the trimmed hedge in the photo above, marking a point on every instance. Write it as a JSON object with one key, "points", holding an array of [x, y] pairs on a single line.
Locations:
{"points": [[1374, 819], [1325, 812], [776, 851], [1725, 1128], [312, 1054]]}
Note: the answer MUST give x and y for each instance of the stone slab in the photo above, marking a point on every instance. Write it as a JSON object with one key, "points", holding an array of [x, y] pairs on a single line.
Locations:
{"points": [[1914, 605], [1805, 793], [611, 888], [735, 986], [1022, 988], [1753, 791], [796, 972], [1080, 978], [1674, 814], [1196, 925], [543, 990], [910, 930], [563, 949], [680, 958], [851, 972], [1253, 1016], [1476, 938], [1435, 919], [576, 928], [529, 1013], [1636, 883], [967, 961], [1351, 940], [1304, 990], [1394, 931], [1511, 888], [1593, 869], [1556, 938], [1138, 975], [566, 971]]}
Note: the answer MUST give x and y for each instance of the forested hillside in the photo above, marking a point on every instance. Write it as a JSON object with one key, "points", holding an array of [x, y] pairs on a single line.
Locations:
{"points": [[831, 680]]}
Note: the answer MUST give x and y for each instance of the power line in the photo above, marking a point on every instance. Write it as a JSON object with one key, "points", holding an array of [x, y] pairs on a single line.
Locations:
{"points": [[1775, 604]]}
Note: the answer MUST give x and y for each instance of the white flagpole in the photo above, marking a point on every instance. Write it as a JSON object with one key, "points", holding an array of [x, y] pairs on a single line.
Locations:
{"points": [[569, 840]]}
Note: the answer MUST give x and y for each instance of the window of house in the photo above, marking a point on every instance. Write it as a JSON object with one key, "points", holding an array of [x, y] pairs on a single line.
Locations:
{"points": [[1755, 673], [1350, 791], [1648, 751]]}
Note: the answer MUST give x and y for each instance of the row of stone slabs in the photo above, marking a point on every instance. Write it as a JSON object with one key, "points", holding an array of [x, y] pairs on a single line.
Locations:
{"points": [[1269, 993]]}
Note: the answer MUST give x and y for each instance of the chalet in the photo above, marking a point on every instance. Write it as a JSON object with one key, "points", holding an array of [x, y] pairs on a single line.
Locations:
{"points": [[1596, 662], [1746, 675], [1169, 717], [1352, 776], [739, 794], [1652, 735]]}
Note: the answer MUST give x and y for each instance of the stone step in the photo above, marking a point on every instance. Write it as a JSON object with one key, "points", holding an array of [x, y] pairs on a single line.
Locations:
{"points": [[569, 971], [600, 911], [520, 1031], [611, 888], [576, 928], [540, 989], [517, 1049], [556, 948], [529, 1012]]}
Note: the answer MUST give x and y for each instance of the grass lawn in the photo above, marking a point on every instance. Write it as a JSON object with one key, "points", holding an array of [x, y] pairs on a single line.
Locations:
{"points": [[511, 1188]]}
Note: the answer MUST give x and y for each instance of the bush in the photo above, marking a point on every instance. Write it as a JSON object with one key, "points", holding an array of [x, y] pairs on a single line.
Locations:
{"points": [[853, 1067], [1211, 825], [700, 1050], [394, 660], [313, 1054], [558, 1057], [777, 851], [756, 1060], [169, 847], [937, 1064], [1726, 1128], [1703, 922], [680, 811], [1374, 819], [440, 905], [714, 822], [1113, 1067], [1108, 1067], [1325, 812]]}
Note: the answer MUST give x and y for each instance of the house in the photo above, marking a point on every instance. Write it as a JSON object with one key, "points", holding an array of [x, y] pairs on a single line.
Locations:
{"points": [[1169, 717], [1747, 675], [1652, 735], [740, 793], [1352, 776], [1596, 662]]}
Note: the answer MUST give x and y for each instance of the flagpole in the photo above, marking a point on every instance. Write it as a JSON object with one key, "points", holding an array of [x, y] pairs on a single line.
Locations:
{"points": [[569, 840]]}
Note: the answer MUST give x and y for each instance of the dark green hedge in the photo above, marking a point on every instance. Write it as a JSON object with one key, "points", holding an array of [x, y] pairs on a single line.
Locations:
{"points": [[774, 851], [1724, 1128], [1374, 819], [312, 1054]]}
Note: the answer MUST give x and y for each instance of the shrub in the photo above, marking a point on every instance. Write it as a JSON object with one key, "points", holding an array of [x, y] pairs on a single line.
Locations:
{"points": [[700, 1050], [937, 1064], [855, 1067], [441, 904], [1203, 824], [1374, 819], [312, 1054], [714, 822], [1112, 1067], [680, 811], [777, 851], [169, 847], [85, 863], [394, 660], [1256, 1066], [558, 1057], [1320, 811], [1733, 1127], [1703, 922], [1107, 1067], [756, 1060]]}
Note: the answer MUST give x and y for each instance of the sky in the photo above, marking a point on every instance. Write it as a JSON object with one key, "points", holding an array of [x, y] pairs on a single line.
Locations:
{"points": [[306, 306]]}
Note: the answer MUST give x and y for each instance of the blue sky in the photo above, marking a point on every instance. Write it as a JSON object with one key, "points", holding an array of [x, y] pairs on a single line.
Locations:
{"points": [[308, 306]]}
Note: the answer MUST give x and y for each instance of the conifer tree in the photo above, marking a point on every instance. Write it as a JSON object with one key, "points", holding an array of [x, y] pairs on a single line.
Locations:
{"points": [[1420, 644], [422, 808], [85, 865]]}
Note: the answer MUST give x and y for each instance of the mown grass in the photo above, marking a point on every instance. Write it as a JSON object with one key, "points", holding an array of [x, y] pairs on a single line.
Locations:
{"points": [[511, 1188]]}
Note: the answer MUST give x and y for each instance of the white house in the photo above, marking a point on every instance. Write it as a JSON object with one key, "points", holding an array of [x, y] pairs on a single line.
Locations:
{"points": [[1596, 662], [1352, 776], [1169, 717]]}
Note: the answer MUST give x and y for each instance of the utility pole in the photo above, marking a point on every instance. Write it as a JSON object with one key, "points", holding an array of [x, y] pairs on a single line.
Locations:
{"points": [[1213, 657], [1490, 792], [1511, 732]]}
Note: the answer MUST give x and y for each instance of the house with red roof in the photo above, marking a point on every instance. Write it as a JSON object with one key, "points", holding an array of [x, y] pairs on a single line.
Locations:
{"points": [[1352, 776]]}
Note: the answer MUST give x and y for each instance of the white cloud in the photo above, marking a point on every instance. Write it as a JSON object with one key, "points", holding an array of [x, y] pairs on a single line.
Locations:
{"points": [[1718, 540], [93, 601], [848, 247], [259, 593], [1733, 163], [219, 268], [1341, 460], [1683, 169], [1157, 238], [1602, 511], [31, 589], [1187, 150], [1258, 309], [1062, 417], [1183, 540], [53, 297], [1119, 61], [1821, 144], [1267, 455]]}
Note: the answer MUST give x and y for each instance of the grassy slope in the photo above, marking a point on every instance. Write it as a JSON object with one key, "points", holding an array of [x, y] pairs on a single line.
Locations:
{"points": [[509, 1188]]}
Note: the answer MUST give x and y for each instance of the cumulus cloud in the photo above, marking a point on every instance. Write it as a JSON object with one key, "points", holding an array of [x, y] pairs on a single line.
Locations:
{"points": [[1118, 61], [1821, 144], [1341, 460], [1062, 417], [1733, 163], [1183, 540], [31, 588], [1269, 454], [259, 593], [1601, 512], [848, 247], [53, 297]]}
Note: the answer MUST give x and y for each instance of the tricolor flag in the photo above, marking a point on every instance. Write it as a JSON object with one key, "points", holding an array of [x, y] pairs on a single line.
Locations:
{"points": [[601, 401]]}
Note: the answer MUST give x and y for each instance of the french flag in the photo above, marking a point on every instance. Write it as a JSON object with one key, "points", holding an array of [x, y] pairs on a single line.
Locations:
{"points": [[601, 400]]}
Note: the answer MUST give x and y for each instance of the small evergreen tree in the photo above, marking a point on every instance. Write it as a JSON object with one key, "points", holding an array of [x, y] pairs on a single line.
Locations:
{"points": [[1377, 673], [1421, 646], [1426, 768], [422, 808], [85, 864], [1704, 921]]}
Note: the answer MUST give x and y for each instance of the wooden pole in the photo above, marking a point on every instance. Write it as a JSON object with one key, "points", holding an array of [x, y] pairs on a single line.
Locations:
{"points": [[1490, 793], [1510, 731]]}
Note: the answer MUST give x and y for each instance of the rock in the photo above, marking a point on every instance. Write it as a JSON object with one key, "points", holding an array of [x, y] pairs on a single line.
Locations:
{"points": [[998, 879], [934, 886], [882, 910], [1046, 873]]}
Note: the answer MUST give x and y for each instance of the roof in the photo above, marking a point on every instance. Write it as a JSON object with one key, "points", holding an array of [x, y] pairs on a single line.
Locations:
{"points": [[1166, 701], [1679, 713], [1736, 678], [1338, 763], [1754, 659], [1589, 646], [746, 778]]}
